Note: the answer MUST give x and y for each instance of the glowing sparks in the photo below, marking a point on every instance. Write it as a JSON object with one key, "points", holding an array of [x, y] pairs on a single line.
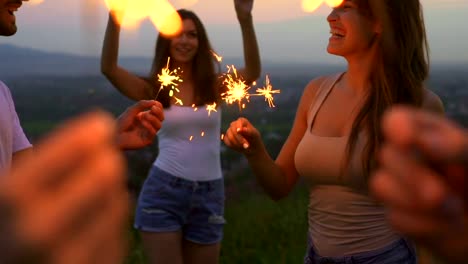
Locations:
{"points": [[312, 5], [191, 138], [211, 107], [268, 92], [178, 101], [130, 13], [202, 134], [222, 136], [217, 57], [236, 88], [170, 79]]}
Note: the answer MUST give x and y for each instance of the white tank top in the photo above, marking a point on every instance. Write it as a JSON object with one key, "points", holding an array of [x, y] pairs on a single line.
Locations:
{"points": [[189, 143]]}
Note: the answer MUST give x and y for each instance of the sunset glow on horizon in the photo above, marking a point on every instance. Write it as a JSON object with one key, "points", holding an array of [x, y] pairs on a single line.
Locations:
{"points": [[80, 25]]}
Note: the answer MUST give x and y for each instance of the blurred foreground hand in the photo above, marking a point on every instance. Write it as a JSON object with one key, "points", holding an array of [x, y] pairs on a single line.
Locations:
{"points": [[68, 203], [422, 180]]}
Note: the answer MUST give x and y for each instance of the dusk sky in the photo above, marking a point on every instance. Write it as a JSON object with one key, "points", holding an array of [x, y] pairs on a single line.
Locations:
{"points": [[285, 32]]}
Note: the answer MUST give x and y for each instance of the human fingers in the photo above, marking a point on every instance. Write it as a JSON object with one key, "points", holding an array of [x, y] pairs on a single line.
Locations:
{"points": [[425, 187], [232, 139], [102, 240], [151, 122], [388, 190], [157, 110], [75, 202], [140, 106], [437, 137], [59, 154], [423, 226], [250, 133]]}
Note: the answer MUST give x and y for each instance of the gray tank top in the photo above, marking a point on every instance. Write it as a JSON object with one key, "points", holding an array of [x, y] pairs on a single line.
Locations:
{"points": [[343, 218]]}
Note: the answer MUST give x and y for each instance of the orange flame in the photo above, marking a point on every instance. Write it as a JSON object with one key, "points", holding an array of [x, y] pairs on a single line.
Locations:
{"points": [[35, 2], [130, 13], [312, 5]]}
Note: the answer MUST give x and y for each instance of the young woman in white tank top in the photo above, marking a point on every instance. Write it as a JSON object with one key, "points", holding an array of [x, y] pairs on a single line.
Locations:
{"points": [[181, 205]]}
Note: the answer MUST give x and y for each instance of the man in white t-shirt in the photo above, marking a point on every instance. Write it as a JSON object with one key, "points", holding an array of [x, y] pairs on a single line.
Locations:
{"points": [[69, 198], [13, 141]]}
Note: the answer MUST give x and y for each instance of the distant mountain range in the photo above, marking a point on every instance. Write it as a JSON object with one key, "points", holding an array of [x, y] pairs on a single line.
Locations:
{"points": [[19, 61]]}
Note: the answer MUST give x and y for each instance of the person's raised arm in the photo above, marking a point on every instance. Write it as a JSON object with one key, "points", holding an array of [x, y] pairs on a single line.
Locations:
{"points": [[127, 83], [252, 68]]}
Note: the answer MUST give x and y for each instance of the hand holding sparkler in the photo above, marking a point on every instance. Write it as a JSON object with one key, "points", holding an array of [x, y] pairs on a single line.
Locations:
{"points": [[422, 180], [242, 136]]}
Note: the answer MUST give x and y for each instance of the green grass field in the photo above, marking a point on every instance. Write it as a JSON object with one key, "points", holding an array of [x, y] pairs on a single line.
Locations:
{"points": [[258, 230]]}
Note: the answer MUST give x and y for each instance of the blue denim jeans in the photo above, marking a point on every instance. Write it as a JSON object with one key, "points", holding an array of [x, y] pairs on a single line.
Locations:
{"points": [[168, 203], [398, 252]]}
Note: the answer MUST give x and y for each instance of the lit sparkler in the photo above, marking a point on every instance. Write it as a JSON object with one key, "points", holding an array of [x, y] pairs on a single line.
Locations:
{"points": [[170, 79], [237, 88], [267, 91]]}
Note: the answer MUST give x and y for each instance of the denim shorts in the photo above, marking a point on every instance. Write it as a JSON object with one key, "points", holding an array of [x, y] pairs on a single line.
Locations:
{"points": [[168, 203], [399, 252]]}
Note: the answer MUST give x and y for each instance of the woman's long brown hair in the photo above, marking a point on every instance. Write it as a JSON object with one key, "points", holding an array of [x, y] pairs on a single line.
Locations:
{"points": [[399, 73], [204, 66]]}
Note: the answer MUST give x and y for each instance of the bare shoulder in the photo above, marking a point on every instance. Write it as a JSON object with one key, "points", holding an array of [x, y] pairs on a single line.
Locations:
{"points": [[311, 89], [432, 102]]}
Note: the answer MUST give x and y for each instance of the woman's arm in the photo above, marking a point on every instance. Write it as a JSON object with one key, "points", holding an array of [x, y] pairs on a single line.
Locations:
{"points": [[127, 83], [276, 177], [251, 71]]}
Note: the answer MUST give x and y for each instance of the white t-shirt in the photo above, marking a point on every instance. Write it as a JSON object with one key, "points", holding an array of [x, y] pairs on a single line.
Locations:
{"points": [[12, 137], [190, 144]]}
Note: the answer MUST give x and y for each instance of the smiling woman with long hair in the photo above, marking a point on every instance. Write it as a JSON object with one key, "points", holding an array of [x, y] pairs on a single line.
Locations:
{"points": [[180, 210], [336, 133]]}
